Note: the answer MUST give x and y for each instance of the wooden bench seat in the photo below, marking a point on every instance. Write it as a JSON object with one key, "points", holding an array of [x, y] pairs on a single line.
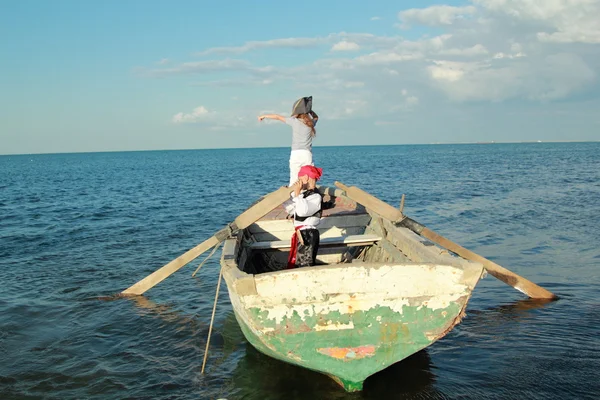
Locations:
{"points": [[350, 240]]}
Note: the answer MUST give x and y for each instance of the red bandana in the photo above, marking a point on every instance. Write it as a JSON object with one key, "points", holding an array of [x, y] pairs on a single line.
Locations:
{"points": [[312, 172]]}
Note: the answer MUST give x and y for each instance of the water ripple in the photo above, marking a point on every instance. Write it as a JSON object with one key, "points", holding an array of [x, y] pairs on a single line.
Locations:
{"points": [[78, 228]]}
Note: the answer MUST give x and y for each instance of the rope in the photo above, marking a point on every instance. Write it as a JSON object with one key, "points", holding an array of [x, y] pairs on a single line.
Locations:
{"points": [[211, 321], [207, 257]]}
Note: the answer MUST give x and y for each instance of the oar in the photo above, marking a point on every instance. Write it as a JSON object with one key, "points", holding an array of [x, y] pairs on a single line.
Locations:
{"points": [[243, 220], [385, 210]]}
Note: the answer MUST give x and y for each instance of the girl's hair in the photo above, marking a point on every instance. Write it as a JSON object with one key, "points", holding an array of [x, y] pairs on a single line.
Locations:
{"points": [[308, 122]]}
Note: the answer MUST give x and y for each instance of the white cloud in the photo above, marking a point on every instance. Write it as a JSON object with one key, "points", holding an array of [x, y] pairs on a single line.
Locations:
{"points": [[216, 121], [381, 58], [490, 51], [504, 55], [435, 15], [367, 39], [450, 71], [198, 114], [412, 100], [345, 46], [349, 85], [201, 67], [405, 101], [549, 78], [386, 123], [294, 43], [348, 108], [475, 50], [562, 21], [375, 18]]}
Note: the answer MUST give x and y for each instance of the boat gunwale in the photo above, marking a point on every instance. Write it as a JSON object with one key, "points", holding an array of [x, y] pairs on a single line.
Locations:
{"points": [[233, 246], [241, 284]]}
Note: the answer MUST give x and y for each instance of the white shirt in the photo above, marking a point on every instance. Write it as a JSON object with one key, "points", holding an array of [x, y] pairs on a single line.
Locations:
{"points": [[303, 207]]}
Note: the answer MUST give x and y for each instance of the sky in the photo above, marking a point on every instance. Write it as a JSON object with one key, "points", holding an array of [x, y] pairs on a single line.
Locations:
{"points": [[84, 76]]}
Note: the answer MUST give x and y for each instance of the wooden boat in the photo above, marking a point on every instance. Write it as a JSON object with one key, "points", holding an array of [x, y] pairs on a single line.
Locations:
{"points": [[380, 292]]}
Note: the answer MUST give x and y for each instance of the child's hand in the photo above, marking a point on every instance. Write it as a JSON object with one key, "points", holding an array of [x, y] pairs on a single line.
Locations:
{"points": [[261, 117], [297, 187]]}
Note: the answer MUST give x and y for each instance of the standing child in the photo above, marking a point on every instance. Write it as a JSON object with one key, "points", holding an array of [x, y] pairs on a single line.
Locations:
{"points": [[302, 121], [307, 209]]}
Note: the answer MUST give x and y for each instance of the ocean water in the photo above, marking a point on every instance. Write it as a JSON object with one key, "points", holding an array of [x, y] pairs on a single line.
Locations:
{"points": [[76, 229]]}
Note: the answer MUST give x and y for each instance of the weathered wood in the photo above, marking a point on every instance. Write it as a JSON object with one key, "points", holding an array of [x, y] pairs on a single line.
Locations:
{"points": [[352, 320], [386, 211], [313, 316], [372, 202], [523, 285], [249, 216], [392, 254], [354, 240], [323, 232], [417, 248], [338, 221]]}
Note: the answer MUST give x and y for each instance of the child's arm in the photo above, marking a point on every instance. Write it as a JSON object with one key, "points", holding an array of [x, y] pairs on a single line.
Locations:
{"points": [[314, 116], [272, 116]]}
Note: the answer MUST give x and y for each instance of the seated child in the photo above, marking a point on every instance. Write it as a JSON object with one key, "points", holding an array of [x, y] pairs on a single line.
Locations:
{"points": [[307, 209]]}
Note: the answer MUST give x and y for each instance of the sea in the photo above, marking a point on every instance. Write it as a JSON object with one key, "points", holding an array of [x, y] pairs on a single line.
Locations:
{"points": [[76, 229]]}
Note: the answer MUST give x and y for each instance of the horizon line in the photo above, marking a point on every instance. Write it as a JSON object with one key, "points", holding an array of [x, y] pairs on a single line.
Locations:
{"points": [[282, 147]]}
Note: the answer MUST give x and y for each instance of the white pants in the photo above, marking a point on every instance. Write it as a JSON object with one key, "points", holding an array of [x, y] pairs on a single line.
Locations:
{"points": [[299, 158]]}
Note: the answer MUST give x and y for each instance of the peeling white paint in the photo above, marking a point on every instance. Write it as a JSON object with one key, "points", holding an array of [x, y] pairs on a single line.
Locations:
{"points": [[310, 292], [402, 280], [279, 312], [334, 327]]}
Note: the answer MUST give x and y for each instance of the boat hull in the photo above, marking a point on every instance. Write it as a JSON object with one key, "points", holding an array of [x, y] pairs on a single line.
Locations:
{"points": [[350, 322]]}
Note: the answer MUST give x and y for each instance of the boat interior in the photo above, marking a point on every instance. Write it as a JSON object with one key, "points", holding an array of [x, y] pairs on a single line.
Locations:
{"points": [[348, 234]]}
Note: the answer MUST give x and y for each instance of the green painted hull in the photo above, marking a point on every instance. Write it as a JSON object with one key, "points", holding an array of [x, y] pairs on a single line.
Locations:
{"points": [[347, 320], [378, 338]]}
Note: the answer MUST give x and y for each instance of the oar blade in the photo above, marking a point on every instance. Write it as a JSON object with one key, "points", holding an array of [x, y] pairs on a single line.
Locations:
{"points": [[244, 220], [164, 272]]}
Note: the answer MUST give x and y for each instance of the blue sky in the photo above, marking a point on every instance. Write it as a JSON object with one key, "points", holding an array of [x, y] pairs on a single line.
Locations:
{"points": [[140, 75]]}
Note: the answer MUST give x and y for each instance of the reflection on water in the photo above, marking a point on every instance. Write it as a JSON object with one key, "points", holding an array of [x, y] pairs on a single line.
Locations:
{"points": [[515, 311], [412, 377], [146, 307], [242, 372], [258, 376]]}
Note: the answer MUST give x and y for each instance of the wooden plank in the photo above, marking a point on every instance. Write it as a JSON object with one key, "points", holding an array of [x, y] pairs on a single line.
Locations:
{"points": [[325, 233], [417, 248], [392, 252], [229, 249], [371, 202], [339, 221], [354, 240]]}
